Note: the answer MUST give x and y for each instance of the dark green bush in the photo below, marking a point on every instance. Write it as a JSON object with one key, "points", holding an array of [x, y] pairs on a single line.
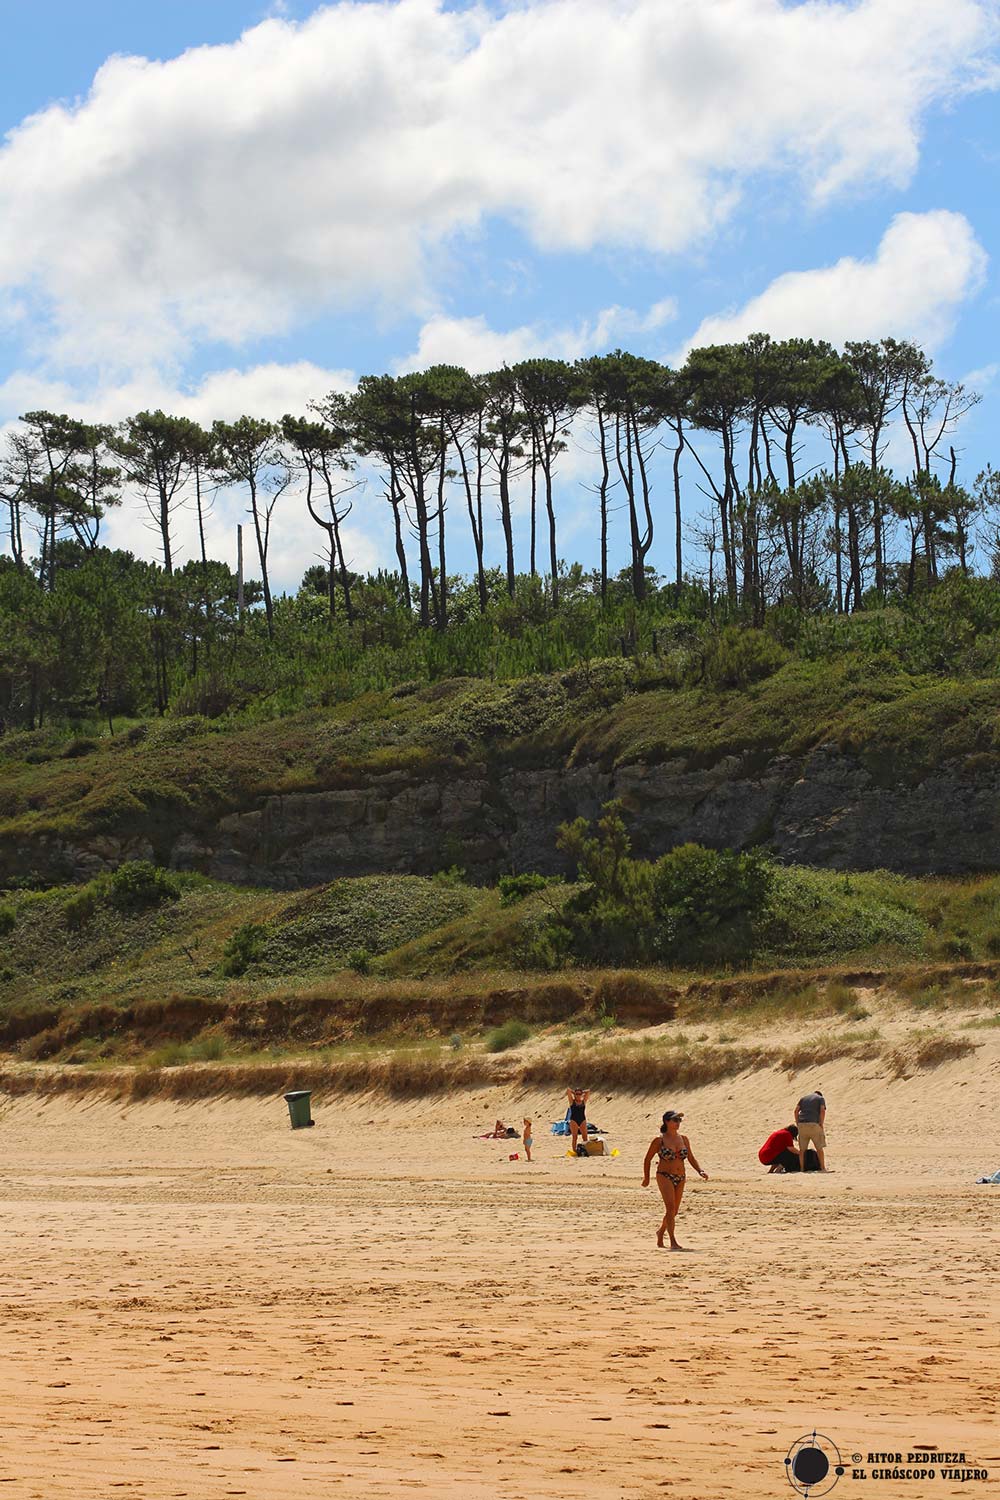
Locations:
{"points": [[77, 748], [138, 885], [548, 949], [959, 946], [510, 1034], [360, 960], [210, 695], [80, 908], [610, 920], [631, 910], [702, 895], [737, 656], [8, 920], [514, 888], [244, 947]]}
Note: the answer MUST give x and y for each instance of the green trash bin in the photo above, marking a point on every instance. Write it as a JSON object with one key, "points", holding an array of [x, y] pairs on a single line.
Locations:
{"points": [[298, 1108]]}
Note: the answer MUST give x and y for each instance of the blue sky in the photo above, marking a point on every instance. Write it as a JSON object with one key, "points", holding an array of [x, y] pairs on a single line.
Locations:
{"points": [[354, 190]]}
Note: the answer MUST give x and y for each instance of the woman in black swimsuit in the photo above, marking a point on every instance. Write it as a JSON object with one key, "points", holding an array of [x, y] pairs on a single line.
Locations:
{"points": [[578, 1114], [673, 1150]]}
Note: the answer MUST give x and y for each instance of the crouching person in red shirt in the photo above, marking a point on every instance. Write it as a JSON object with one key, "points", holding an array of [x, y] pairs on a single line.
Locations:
{"points": [[780, 1154]]}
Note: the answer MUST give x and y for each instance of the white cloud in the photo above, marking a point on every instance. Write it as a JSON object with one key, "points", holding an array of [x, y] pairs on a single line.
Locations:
{"points": [[981, 379], [925, 267], [233, 190], [471, 342], [267, 390]]}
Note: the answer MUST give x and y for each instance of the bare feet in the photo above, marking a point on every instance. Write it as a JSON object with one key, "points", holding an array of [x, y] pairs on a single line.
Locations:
{"points": [[674, 1245]]}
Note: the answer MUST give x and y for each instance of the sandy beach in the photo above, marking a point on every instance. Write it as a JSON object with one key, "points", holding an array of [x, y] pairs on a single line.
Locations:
{"points": [[199, 1302]]}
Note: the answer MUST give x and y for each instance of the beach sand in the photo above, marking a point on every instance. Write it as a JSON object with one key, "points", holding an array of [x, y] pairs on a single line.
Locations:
{"points": [[199, 1302]]}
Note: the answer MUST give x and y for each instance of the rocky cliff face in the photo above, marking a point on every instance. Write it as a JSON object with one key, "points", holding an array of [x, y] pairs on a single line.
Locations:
{"points": [[826, 810]]}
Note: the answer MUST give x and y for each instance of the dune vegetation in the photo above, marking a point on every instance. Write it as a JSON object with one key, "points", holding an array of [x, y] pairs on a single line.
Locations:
{"points": [[146, 959]]}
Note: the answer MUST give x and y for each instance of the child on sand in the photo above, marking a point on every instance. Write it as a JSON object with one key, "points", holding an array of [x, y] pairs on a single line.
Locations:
{"points": [[526, 1138]]}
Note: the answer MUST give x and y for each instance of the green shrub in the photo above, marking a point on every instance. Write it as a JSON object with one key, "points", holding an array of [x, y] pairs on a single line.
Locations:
{"points": [[170, 1055], [77, 748], [927, 996], [959, 946], [244, 947], [514, 888], [138, 885], [80, 908], [206, 1049], [547, 950], [844, 1000], [841, 997], [210, 695], [709, 894], [818, 914], [510, 1034], [633, 910], [8, 920], [360, 960], [611, 919], [738, 656]]}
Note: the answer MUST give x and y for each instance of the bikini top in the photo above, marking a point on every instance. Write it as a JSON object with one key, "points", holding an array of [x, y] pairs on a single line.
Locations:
{"points": [[669, 1154]]}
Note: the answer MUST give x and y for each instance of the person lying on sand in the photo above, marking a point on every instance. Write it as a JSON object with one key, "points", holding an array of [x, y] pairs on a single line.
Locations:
{"points": [[673, 1149], [578, 1114]]}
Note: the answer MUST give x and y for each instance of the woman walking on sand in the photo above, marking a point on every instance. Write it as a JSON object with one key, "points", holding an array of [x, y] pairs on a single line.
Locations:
{"points": [[673, 1150]]}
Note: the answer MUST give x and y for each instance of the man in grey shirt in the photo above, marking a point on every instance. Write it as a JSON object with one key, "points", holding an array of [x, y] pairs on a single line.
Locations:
{"points": [[810, 1114]]}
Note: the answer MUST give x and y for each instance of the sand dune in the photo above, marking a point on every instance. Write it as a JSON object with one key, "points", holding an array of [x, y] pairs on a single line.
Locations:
{"points": [[199, 1302]]}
